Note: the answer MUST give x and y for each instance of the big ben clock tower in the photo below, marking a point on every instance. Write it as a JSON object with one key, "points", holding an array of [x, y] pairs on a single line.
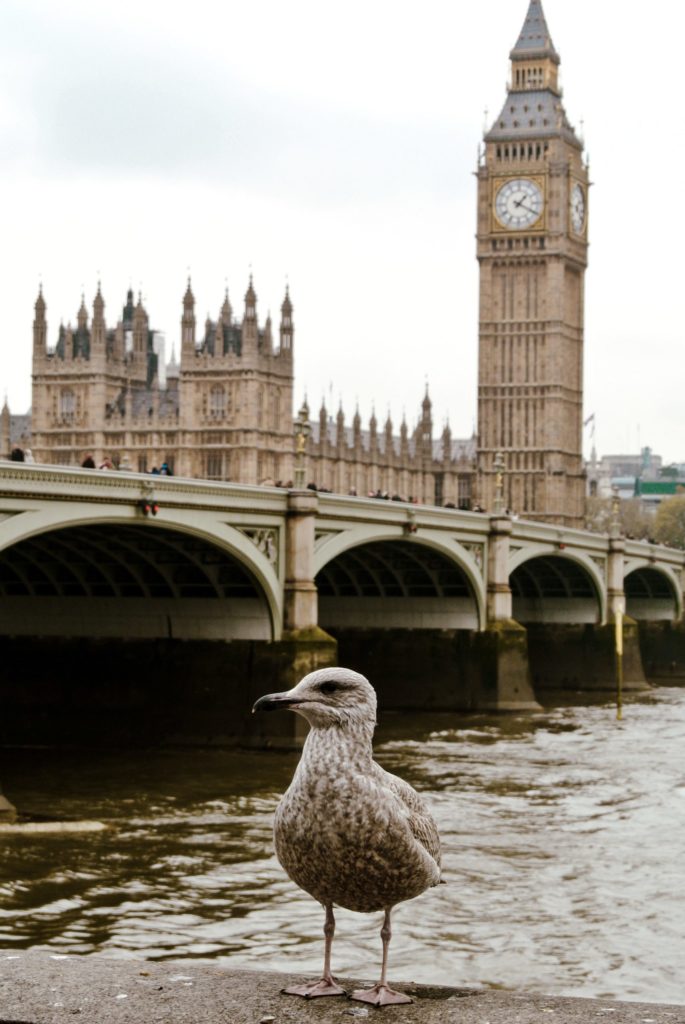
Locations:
{"points": [[532, 251]]}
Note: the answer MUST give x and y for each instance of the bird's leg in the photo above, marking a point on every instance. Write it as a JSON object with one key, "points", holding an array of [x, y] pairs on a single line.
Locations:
{"points": [[327, 986], [381, 994]]}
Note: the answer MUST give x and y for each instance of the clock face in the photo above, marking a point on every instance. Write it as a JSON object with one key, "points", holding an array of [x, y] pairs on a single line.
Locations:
{"points": [[518, 203], [577, 208]]}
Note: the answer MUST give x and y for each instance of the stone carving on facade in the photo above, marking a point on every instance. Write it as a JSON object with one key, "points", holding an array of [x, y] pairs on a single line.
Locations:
{"points": [[265, 539], [476, 551], [601, 564]]}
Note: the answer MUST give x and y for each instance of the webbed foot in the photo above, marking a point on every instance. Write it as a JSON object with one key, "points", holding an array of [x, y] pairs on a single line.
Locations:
{"points": [[325, 987], [381, 995]]}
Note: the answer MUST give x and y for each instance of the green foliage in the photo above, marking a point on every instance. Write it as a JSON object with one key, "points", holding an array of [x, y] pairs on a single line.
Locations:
{"points": [[669, 472], [636, 521], [669, 525]]}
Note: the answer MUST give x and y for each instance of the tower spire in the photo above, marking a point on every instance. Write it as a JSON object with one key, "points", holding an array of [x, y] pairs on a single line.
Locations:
{"points": [[534, 60], [534, 40], [188, 326]]}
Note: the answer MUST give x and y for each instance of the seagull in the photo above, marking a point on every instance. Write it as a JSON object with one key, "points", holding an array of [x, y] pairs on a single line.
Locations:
{"points": [[347, 832]]}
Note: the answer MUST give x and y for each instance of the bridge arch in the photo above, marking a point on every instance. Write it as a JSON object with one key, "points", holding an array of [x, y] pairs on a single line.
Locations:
{"points": [[553, 585], [382, 577], [178, 558], [652, 591]]}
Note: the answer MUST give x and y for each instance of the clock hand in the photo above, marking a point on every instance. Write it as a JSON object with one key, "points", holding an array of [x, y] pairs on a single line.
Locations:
{"points": [[528, 209]]}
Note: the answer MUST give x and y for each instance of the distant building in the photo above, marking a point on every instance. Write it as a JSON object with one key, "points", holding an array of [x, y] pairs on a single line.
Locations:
{"points": [[643, 477], [621, 472], [224, 412]]}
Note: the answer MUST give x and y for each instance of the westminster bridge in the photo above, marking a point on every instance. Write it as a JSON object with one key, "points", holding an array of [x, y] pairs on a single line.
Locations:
{"points": [[139, 607]]}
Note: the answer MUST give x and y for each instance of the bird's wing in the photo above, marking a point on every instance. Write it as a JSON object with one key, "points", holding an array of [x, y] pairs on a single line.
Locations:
{"points": [[419, 818]]}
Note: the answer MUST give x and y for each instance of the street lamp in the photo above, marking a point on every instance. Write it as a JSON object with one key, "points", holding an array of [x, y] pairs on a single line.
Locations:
{"points": [[302, 431], [615, 523], [499, 467]]}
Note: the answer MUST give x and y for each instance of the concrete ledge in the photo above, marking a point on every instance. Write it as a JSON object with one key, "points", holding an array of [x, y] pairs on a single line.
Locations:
{"points": [[44, 988]]}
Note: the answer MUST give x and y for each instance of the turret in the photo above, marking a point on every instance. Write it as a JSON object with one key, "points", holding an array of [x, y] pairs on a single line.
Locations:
{"points": [[373, 433], [99, 327], [250, 317], [5, 428], [286, 332], [188, 325], [61, 346], [209, 345], [40, 328], [140, 329], [267, 340], [340, 428], [172, 372], [389, 446], [357, 429], [446, 443], [404, 439], [81, 336], [323, 427], [127, 312], [226, 311], [425, 431]]}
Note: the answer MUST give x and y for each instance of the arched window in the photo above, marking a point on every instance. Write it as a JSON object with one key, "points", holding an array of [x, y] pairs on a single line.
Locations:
{"points": [[217, 401], [67, 403]]}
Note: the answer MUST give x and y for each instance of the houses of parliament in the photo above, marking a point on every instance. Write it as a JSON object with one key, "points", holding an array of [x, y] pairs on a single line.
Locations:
{"points": [[224, 411]]}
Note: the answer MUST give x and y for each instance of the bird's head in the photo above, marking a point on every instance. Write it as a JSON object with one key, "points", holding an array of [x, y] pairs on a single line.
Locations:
{"points": [[328, 697]]}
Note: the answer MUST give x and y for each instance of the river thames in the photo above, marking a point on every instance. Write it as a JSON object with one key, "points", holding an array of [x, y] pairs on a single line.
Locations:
{"points": [[564, 846]]}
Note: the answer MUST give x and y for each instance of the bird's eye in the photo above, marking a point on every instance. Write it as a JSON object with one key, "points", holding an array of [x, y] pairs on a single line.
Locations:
{"points": [[328, 687]]}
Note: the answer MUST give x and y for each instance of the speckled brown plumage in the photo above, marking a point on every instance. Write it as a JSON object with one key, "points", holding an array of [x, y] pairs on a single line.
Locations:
{"points": [[346, 831]]}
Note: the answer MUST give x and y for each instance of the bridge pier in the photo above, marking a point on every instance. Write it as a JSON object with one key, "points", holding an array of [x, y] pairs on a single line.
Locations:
{"points": [[502, 648], [303, 646], [662, 645], [581, 657], [311, 647]]}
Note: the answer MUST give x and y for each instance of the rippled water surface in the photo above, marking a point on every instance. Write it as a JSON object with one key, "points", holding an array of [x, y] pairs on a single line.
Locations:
{"points": [[564, 850]]}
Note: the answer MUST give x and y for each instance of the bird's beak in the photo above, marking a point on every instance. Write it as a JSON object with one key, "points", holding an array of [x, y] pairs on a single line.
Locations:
{"points": [[274, 701]]}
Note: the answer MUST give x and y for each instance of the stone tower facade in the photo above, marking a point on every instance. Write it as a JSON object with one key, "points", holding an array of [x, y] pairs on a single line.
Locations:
{"points": [[224, 413], [532, 250], [236, 395]]}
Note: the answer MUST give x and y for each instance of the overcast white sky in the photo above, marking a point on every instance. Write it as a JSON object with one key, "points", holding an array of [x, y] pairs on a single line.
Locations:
{"points": [[333, 145]]}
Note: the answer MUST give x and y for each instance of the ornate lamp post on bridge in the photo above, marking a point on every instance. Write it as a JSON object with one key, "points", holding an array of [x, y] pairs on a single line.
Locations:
{"points": [[499, 467], [616, 591], [302, 431], [615, 521]]}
